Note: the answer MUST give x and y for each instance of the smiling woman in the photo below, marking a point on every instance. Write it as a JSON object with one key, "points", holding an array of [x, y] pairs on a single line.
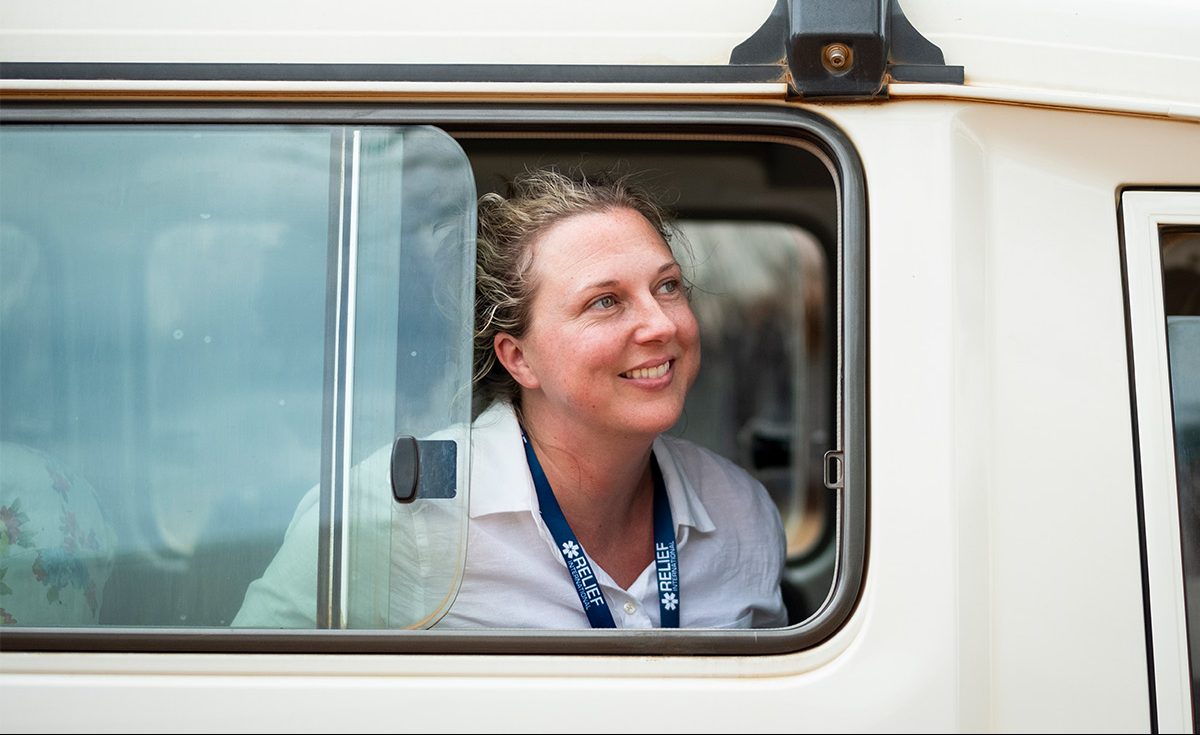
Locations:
{"points": [[586, 334], [582, 512]]}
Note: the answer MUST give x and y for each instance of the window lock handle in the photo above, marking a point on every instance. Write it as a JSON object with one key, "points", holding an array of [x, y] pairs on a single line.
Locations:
{"points": [[423, 468]]}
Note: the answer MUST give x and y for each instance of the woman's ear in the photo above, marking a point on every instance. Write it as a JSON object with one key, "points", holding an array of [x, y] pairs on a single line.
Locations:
{"points": [[512, 356]]}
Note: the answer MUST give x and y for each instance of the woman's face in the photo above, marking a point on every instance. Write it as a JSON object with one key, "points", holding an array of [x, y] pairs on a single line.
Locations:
{"points": [[612, 343]]}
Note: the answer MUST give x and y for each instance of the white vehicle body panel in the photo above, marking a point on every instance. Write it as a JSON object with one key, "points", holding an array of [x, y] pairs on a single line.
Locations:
{"points": [[1004, 583]]}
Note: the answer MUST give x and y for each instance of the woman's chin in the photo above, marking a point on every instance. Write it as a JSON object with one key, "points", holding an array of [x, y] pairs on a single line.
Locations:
{"points": [[652, 423]]}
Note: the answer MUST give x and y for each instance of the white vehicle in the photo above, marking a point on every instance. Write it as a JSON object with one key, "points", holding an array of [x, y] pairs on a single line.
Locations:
{"points": [[947, 259]]}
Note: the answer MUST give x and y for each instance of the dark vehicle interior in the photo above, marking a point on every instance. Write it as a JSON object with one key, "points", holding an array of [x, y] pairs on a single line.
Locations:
{"points": [[761, 221]]}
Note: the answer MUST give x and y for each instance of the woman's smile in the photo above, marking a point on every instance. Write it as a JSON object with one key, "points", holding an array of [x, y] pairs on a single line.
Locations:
{"points": [[649, 373]]}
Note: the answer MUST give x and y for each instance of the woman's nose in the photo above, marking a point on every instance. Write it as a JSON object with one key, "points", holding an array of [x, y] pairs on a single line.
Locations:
{"points": [[655, 324]]}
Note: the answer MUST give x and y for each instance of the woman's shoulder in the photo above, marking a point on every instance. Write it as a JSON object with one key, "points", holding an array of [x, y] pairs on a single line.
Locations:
{"points": [[730, 508], [700, 463], [717, 480]]}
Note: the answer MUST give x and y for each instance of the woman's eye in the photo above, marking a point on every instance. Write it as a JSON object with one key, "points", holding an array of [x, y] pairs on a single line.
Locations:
{"points": [[669, 286], [604, 302]]}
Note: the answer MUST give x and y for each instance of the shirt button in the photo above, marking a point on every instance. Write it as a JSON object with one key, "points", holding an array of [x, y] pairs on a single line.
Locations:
{"points": [[630, 608]]}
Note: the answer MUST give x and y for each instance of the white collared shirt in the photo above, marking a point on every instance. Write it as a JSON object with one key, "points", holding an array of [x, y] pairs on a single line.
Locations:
{"points": [[728, 535]]}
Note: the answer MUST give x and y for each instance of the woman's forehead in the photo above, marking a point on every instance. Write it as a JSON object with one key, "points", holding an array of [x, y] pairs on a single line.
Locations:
{"points": [[593, 240]]}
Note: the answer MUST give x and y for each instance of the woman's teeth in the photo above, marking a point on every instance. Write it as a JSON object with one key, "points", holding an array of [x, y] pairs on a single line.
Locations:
{"points": [[653, 372]]}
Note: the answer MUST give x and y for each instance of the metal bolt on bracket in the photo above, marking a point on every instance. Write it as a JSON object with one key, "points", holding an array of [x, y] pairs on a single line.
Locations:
{"points": [[837, 57]]}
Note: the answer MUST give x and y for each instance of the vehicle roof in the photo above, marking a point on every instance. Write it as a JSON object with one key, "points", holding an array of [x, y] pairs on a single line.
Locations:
{"points": [[1142, 52]]}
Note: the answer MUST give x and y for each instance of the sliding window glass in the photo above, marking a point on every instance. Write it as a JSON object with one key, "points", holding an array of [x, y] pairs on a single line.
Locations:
{"points": [[211, 340]]}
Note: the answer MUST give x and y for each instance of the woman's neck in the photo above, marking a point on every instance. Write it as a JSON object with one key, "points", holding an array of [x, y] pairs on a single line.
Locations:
{"points": [[602, 483]]}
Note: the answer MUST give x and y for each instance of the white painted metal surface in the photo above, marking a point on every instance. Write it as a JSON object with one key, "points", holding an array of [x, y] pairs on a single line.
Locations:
{"points": [[1110, 55], [1143, 51], [376, 32], [1004, 586]]}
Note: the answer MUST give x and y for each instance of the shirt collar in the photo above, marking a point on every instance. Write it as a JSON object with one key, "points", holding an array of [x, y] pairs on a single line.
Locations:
{"points": [[501, 483], [500, 479], [686, 508]]}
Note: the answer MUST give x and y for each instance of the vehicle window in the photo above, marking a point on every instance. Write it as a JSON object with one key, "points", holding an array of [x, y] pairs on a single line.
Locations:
{"points": [[1181, 301], [224, 349], [209, 334]]}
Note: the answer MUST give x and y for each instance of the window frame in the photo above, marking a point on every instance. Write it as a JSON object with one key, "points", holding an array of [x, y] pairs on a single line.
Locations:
{"points": [[1141, 215], [694, 121]]}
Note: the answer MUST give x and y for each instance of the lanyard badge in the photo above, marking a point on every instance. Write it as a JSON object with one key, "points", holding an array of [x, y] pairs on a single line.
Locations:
{"points": [[666, 560]]}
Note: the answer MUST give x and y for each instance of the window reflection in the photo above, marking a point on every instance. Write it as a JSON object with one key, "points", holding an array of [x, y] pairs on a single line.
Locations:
{"points": [[762, 398], [161, 349], [177, 361]]}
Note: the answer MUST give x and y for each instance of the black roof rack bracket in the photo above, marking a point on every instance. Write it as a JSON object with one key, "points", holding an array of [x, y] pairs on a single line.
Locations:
{"points": [[845, 48]]}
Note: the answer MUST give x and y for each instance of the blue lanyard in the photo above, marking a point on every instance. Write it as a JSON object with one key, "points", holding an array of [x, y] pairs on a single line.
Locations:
{"points": [[666, 561]]}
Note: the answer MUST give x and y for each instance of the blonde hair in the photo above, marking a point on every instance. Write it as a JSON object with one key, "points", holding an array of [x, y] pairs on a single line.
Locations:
{"points": [[504, 285]]}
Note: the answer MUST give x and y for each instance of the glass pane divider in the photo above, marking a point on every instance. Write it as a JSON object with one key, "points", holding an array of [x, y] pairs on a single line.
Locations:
{"points": [[332, 558]]}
